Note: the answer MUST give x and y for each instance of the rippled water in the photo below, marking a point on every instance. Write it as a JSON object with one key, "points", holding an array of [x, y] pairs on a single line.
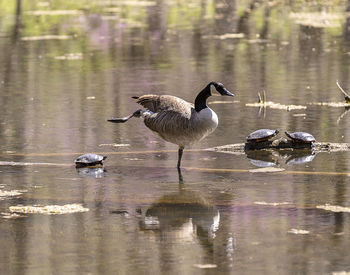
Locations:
{"points": [[57, 92]]}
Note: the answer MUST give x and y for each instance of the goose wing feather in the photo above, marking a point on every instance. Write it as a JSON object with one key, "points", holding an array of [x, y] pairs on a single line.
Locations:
{"points": [[158, 103]]}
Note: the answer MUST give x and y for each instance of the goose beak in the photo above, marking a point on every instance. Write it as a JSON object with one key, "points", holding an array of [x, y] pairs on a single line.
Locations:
{"points": [[224, 91]]}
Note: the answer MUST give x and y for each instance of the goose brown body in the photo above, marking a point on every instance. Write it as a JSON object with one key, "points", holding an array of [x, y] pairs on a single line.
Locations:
{"points": [[176, 120]]}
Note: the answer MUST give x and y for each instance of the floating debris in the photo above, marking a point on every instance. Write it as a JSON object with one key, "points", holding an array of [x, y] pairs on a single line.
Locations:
{"points": [[204, 266], [127, 3], [133, 159], [341, 273], [112, 9], [274, 105], [13, 163], [115, 144], [271, 203], [46, 37], [224, 36], [331, 104], [48, 209], [70, 56], [11, 193], [317, 19], [298, 231], [54, 12], [299, 115], [333, 208], [266, 170], [5, 215]]}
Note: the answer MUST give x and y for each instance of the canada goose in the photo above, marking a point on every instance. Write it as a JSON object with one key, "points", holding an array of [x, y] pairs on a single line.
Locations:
{"points": [[176, 120]]}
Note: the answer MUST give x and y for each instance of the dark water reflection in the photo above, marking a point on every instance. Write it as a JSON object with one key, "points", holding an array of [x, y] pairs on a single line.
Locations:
{"points": [[56, 95]]}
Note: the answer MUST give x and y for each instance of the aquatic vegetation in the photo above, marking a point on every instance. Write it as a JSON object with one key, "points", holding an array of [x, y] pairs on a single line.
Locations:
{"points": [[333, 208], [48, 209]]}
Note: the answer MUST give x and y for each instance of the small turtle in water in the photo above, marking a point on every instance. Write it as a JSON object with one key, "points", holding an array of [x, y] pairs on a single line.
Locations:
{"points": [[300, 137], [89, 160], [262, 135]]}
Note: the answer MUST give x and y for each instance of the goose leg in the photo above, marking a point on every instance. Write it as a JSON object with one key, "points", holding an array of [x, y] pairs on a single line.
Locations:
{"points": [[125, 119], [181, 150], [181, 179]]}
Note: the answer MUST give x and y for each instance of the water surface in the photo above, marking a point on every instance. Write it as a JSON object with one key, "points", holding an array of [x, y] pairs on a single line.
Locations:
{"points": [[57, 92]]}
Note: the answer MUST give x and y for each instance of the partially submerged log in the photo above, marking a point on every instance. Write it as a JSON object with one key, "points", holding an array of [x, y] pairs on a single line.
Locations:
{"points": [[282, 144]]}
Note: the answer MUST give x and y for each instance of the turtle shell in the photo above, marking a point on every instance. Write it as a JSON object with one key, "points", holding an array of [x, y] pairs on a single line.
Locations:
{"points": [[302, 137], [89, 159], [261, 135]]}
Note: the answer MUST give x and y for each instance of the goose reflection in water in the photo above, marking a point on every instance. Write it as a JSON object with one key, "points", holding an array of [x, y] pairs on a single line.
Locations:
{"points": [[185, 215]]}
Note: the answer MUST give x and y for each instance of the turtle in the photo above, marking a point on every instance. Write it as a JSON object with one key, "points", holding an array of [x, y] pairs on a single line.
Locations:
{"points": [[89, 160], [262, 135], [300, 137]]}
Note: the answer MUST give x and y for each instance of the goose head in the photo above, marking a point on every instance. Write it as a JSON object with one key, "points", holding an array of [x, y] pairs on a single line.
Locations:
{"points": [[221, 89], [200, 102]]}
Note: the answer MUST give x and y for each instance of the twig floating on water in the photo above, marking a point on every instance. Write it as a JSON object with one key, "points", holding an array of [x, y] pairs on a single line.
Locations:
{"points": [[274, 105]]}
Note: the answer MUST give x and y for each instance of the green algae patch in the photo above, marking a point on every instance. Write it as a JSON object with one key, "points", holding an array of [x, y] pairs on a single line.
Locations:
{"points": [[48, 209]]}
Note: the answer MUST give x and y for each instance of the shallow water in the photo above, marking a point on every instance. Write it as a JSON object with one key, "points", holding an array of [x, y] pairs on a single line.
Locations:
{"points": [[56, 95]]}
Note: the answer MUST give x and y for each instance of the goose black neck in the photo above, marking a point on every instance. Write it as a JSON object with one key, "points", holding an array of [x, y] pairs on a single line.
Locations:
{"points": [[200, 102]]}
